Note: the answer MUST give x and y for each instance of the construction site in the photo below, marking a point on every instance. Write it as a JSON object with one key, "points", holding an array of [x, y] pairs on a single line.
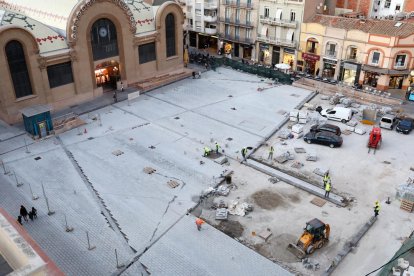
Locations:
{"points": [[229, 148]]}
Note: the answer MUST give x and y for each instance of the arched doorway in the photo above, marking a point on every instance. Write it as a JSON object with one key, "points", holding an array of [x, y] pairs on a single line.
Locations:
{"points": [[107, 74]]}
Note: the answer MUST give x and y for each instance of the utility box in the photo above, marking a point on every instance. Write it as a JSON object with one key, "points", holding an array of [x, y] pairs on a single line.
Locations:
{"points": [[37, 120]]}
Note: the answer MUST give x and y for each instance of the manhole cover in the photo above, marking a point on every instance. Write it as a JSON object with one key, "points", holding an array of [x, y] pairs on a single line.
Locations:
{"points": [[38, 158]]}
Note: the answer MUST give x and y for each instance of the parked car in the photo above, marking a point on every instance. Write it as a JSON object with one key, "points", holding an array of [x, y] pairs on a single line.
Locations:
{"points": [[342, 114], [326, 127], [323, 138], [388, 121], [405, 126]]}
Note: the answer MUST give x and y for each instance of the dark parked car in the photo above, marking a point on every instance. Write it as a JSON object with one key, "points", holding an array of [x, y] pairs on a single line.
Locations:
{"points": [[326, 127], [405, 126], [323, 138]]}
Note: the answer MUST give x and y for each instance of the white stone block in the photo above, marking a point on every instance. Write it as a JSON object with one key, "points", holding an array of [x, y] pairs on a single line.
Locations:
{"points": [[297, 128], [360, 130]]}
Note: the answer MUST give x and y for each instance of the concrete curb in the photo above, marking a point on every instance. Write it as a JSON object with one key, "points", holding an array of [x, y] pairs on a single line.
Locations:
{"points": [[264, 168]]}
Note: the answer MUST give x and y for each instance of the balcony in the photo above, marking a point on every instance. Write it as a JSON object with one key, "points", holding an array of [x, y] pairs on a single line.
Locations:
{"points": [[330, 53], [276, 41], [237, 4], [209, 18], [278, 22], [236, 22], [311, 50], [400, 66], [210, 5], [210, 31], [236, 38]]}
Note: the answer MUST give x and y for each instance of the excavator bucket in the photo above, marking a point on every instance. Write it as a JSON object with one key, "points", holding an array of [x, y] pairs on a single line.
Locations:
{"points": [[296, 250]]}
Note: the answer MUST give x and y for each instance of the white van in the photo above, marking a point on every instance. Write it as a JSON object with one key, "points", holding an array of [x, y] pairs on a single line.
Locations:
{"points": [[342, 114], [388, 121]]}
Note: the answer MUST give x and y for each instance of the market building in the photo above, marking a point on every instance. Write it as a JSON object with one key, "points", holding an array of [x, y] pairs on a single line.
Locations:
{"points": [[65, 52]]}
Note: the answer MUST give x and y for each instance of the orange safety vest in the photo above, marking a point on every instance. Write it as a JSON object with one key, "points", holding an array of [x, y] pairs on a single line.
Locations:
{"points": [[199, 221]]}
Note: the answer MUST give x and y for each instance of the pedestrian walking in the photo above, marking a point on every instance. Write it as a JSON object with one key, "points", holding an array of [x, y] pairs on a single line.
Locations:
{"points": [[217, 147], [244, 153], [271, 151], [23, 212], [327, 189], [19, 220], [34, 212], [31, 215], [199, 222], [326, 179], [122, 87], [377, 208], [115, 97]]}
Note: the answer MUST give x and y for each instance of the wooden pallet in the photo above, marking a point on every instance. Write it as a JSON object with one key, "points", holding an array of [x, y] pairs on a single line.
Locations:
{"points": [[407, 205], [318, 201]]}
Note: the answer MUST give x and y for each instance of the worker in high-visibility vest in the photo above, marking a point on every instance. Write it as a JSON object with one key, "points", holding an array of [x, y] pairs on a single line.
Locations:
{"points": [[207, 151], [199, 222], [217, 147], [327, 188], [377, 208], [326, 179], [244, 153], [271, 151]]}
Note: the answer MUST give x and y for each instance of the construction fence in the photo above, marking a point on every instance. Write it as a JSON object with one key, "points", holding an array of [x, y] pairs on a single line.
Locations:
{"points": [[251, 68]]}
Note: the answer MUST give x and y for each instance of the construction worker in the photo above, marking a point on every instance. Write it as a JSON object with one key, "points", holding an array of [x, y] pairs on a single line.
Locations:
{"points": [[327, 189], [271, 151], [326, 179], [217, 147], [244, 153], [199, 222], [207, 151], [377, 208]]}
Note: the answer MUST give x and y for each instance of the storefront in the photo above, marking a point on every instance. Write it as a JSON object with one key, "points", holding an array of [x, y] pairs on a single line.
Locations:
{"points": [[264, 54], [396, 82], [207, 41], [289, 56], [350, 72], [276, 55], [329, 67], [310, 63], [247, 51], [371, 78]]}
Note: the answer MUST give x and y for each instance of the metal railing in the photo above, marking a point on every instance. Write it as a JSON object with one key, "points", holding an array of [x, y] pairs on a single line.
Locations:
{"points": [[330, 53], [236, 38], [276, 41], [238, 4], [278, 22], [236, 22]]}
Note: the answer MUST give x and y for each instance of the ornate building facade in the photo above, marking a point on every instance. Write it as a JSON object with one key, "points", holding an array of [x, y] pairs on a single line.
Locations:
{"points": [[72, 51]]}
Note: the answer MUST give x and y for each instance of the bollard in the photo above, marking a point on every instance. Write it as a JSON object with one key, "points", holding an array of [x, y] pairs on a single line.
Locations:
{"points": [[17, 182], [34, 197], [25, 143], [118, 265], [89, 245], [67, 228], [4, 167], [49, 212]]}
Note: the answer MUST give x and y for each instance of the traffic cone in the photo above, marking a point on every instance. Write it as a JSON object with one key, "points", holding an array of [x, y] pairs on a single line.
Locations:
{"points": [[85, 131]]}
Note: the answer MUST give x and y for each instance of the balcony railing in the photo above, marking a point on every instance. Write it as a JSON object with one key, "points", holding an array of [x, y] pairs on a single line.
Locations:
{"points": [[210, 5], [237, 38], [277, 22], [330, 53], [210, 31], [236, 22], [276, 41], [238, 4], [209, 18], [311, 50], [400, 66]]}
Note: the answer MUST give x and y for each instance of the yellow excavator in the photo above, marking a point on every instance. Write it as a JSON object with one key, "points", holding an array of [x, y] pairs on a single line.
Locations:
{"points": [[315, 236]]}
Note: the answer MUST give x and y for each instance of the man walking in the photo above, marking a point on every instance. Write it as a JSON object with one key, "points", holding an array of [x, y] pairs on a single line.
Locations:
{"points": [[34, 212], [199, 222], [244, 153], [271, 151], [327, 189], [217, 147], [23, 212], [377, 208]]}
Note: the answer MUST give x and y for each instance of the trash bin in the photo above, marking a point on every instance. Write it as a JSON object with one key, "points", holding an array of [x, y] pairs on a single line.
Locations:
{"points": [[228, 179]]}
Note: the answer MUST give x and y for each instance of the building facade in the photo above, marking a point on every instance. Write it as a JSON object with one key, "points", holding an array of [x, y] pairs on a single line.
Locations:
{"points": [[201, 23], [78, 49], [372, 53], [238, 27]]}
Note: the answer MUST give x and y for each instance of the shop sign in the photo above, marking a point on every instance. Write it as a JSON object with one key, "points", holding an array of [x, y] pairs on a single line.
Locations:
{"points": [[289, 50], [329, 61], [264, 46], [350, 66], [310, 57]]}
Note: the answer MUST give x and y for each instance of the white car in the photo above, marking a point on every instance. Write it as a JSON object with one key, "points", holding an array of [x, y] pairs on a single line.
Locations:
{"points": [[341, 114]]}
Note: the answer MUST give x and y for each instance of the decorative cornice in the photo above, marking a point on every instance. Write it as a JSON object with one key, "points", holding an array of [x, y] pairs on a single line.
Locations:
{"points": [[84, 5], [42, 63]]}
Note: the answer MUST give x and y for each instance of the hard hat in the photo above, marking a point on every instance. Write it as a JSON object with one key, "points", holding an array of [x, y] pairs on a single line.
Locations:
{"points": [[376, 201]]}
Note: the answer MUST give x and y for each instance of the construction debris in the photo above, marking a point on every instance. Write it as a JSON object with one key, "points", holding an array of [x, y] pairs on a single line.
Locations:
{"points": [[240, 209], [265, 234], [294, 115], [117, 152], [284, 134], [325, 97], [360, 130], [347, 131], [406, 191], [352, 123], [320, 172], [221, 214], [297, 165], [310, 264], [173, 184], [149, 170], [223, 190], [311, 157], [273, 180], [407, 205], [219, 203], [297, 128], [299, 150], [221, 160], [281, 159]]}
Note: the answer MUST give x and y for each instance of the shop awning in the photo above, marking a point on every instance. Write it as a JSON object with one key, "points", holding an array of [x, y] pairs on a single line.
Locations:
{"points": [[374, 69], [35, 110], [399, 72]]}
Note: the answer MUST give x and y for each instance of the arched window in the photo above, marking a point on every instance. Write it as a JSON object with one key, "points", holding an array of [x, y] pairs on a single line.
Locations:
{"points": [[170, 34], [18, 69], [103, 39]]}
